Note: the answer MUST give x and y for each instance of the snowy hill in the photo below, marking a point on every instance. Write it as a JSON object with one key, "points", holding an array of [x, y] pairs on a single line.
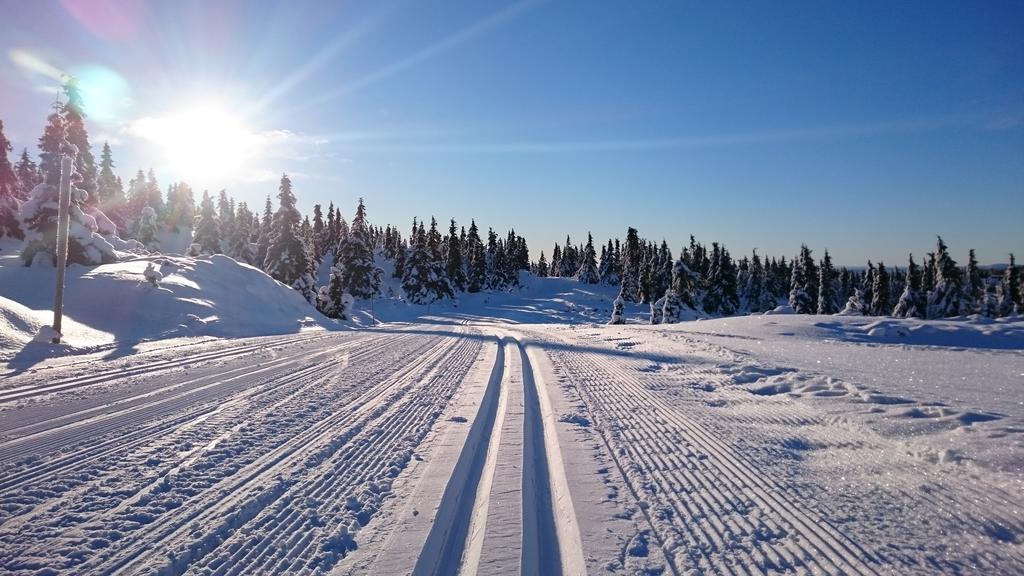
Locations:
{"points": [[113, 304]]}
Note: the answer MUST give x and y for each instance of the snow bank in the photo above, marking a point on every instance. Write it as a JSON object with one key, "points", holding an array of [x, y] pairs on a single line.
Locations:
{"points": [[115, 303]]}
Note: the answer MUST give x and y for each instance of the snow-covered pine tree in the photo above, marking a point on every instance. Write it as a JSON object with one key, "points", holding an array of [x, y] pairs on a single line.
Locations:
{"points": [[438, 284], [476, 262], [880, 304], [803, 291], [27, 173], [147, 229], [181, 208], [239, 244], [630, 278], [946, 299], [730, 302], [154, 197], [110, 192], [1009, 293], [827, 301], [286, 255], [319, 234], [542, 266], [756, 296], [618, 311], [911, 303], [588, 273], [332, 301], [454, 264], [711, 300], [416, 277], [38, 214], [226, 215], [10, 204], [73, 113], [266, 232], [989, 307], [556, 259], [974, 285], [207, 237], [658, 309], [568, 265], [360, 276]]}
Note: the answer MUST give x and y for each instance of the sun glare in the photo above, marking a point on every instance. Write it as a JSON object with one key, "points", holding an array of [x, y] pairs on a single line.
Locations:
{"points": [[204, 142]]}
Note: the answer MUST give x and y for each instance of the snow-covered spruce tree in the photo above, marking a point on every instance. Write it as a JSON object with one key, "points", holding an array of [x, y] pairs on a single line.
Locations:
{"points": [[332, 301], [672, 307], [266, 232], [568, 265], [1009, 293], [286, 255], [946, 299], [454, 264], [618, 311], [239, 245], [416, 277], [880, 304], [756, 296], [587, 272], [73, 112], [494, 279], [110, 192], [730, 300], [439, 285], [360, 277], [319, 234], [556, 259], [803, 290], [476, 261], [207, 238], [827, 301], [27, 173], [629, 286], [974, 285], [911, 302], [226, 216], [148, 229], [542, 266], [181, 211], [658, 309], [9, 203], [38, 214], [989, 307]]}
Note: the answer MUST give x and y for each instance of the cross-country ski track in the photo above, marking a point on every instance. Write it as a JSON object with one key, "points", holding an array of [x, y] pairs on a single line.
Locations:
{"points": [[476, 446]]}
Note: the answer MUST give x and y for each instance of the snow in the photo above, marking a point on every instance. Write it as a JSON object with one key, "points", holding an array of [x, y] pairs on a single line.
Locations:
{"points": [[117, 306], [501, 432]]}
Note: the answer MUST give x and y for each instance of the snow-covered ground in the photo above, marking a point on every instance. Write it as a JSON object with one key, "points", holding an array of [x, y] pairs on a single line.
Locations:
{"points": [[505, 433]]}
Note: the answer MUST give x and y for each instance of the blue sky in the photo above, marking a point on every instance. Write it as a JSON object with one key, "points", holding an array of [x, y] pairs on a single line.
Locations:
{"points": [[864, 127]]}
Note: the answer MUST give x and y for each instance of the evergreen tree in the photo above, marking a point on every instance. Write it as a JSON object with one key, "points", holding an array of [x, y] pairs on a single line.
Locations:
{"points": [[476, 269], [319, 234], [286, 257], [542, 266], [618, 311], [556, 260], [730, 301], [880, 304], [73, 113], [332, 301], [10, 204], [588, 273], [416, 278], [827, 301], [911, 303], [266, 232], [180, 211], [154, 198], [148, 226], [239, 245], [756, 295], [38, 214], [360, 277], [1009, 291], [439, 285], [946, 299], [630, 279], [974, 285], [207, 237], [456, 269], [27, 173]]}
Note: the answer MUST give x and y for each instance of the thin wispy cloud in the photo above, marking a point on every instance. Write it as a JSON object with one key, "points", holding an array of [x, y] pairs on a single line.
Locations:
{"points": [[821, 133], [426, 53]]}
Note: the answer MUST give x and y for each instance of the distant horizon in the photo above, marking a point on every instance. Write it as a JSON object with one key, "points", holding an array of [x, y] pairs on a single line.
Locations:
{"points": [[866, 130]]}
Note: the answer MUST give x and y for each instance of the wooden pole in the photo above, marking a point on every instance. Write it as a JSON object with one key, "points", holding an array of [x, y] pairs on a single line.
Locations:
{"points": [[63, 222]]}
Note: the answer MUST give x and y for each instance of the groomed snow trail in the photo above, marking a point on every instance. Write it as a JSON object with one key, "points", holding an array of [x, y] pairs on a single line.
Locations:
{"points": [[505, 508], [266, 460]]}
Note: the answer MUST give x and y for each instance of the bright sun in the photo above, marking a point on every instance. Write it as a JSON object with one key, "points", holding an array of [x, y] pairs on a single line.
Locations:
{"points": [[203, 143]]}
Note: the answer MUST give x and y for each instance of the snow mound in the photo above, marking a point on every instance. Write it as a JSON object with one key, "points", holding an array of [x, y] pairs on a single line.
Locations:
{"points": [[116, 303]]}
